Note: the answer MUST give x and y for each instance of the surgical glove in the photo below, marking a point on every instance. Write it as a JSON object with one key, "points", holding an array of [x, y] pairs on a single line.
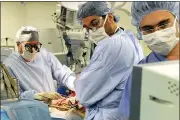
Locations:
{"points": [[70, 82], [46, 96]]}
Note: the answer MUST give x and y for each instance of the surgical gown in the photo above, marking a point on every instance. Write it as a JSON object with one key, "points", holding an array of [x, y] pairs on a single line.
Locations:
{"points": [[39, 75], [100, 85], [137, 45], [124, 106]]}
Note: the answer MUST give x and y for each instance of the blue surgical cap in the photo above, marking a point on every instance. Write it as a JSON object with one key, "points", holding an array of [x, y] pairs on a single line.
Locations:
{"points": [[94, 9], [140, 9]]}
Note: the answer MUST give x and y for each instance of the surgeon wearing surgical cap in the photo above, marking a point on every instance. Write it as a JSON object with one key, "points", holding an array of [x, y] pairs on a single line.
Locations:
{"points": [[101, 84], [158, 23], [35, 67]]}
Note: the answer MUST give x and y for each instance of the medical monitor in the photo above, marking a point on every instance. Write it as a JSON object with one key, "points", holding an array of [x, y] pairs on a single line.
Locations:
{"points": [[155, 92]]}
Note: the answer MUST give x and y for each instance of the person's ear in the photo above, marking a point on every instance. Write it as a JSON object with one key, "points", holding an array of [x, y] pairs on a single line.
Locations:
{"points": [[20, 47], [110, 18], [18, 43]]}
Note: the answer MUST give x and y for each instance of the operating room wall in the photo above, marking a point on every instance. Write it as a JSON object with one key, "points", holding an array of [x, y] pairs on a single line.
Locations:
{"points": [[39, 15], [12, 18]]}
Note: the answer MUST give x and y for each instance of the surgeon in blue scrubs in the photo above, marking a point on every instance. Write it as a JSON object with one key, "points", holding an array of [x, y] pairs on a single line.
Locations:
{"points": [[158, 23], [35, 67], [100, 85]]}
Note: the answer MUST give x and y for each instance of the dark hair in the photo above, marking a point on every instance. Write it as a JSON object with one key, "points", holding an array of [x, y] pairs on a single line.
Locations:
{"points": [[104, 16]]}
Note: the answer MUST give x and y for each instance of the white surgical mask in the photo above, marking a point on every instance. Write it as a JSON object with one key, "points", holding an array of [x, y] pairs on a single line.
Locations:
{"points": [[28, 55], [98, 34], [162, 41], [95, 37]]}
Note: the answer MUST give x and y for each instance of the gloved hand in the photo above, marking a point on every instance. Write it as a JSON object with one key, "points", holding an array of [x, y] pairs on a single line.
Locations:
{"points": [[46, 96]]}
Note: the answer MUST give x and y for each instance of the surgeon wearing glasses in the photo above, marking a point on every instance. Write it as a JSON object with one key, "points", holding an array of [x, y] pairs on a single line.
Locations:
{"points": [[35, 67], [158, 24], [101, 84]]}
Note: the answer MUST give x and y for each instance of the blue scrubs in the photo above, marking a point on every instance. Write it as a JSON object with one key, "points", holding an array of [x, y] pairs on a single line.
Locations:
{"points": [[124, 106], [39, 75], [100, 85]]}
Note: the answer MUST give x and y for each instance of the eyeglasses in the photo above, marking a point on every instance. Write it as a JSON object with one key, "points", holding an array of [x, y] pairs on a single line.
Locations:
{"points": [[29, 46], [94, 24], [160, 27]]}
